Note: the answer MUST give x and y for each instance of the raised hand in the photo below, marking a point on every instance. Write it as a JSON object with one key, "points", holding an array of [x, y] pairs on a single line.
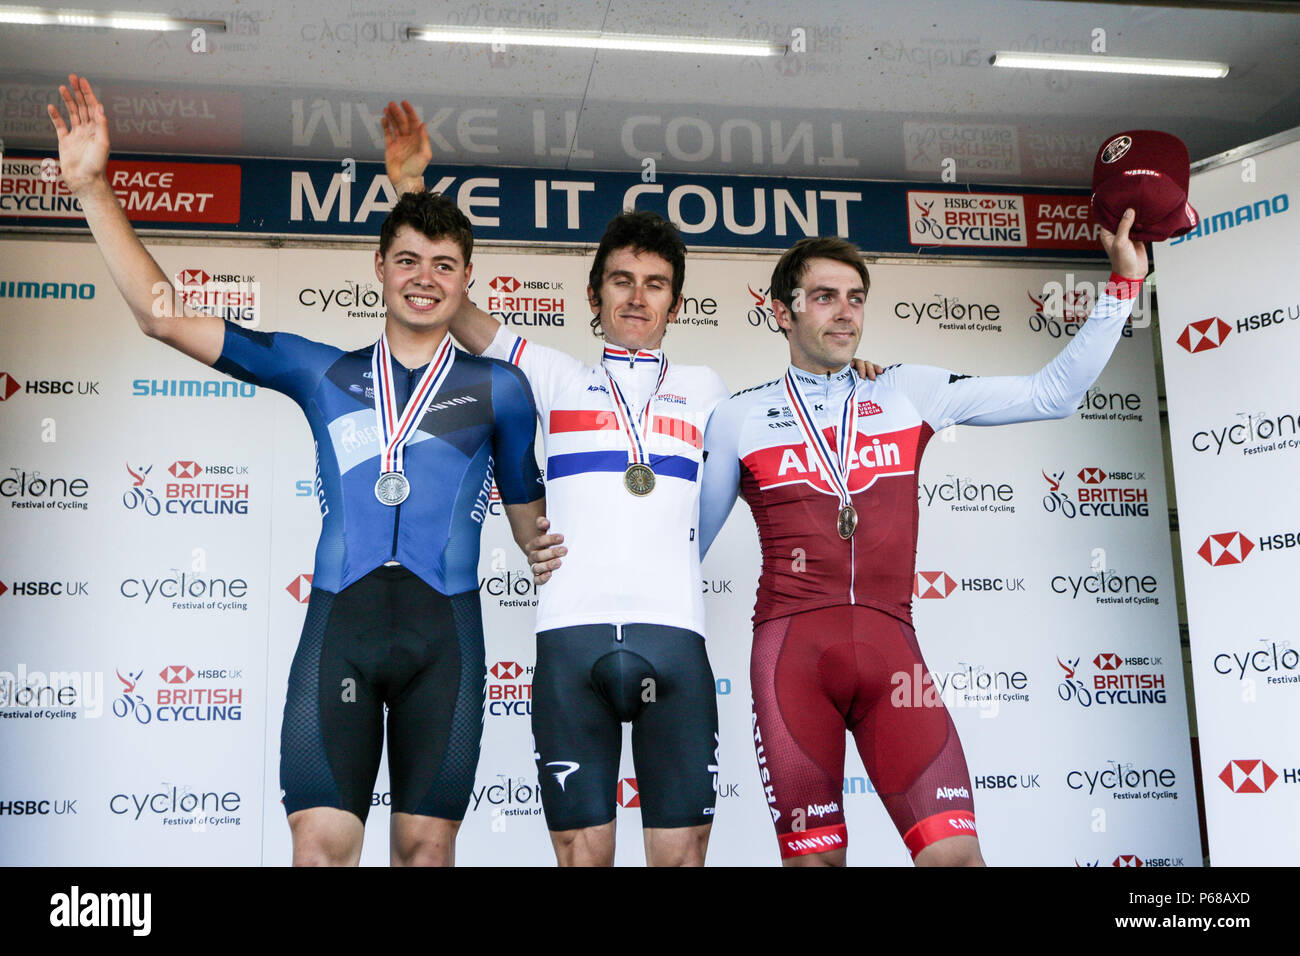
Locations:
{"points": [[83, 140], [406, 146], [1127, 258]]}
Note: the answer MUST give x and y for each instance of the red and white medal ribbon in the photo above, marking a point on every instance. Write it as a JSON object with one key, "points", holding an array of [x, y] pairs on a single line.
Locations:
{"points": [[637, 452], [395, 430], [834, 466]]}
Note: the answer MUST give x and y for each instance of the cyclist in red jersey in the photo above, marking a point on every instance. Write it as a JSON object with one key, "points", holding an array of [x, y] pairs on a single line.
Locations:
{"points": [[829, 466]]}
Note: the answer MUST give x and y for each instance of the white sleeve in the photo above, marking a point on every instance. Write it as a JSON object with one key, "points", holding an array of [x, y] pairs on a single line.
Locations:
{"points": [[946, 398], [720, 482], [545, 368]]}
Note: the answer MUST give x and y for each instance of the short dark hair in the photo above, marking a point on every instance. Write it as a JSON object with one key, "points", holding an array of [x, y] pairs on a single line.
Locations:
{"points": [[641, 231], [432, 214], [794, 261]]}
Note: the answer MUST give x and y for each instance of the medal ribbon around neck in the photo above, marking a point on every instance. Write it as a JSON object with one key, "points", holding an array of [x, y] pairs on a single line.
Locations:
{"points": [[835, 467], [637, 454], [395, 431]]}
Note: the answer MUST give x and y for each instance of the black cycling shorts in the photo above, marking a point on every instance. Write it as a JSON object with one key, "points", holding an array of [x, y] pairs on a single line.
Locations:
{"points": [[387, 641], [591, 678]]}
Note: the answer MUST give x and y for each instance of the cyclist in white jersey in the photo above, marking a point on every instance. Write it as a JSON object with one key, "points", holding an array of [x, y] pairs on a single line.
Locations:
{"points": [[624, 446], [620, 629]]}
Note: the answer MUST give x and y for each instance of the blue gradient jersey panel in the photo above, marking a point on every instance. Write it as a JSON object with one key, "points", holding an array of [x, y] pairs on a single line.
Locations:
{"points": [[479, 426]]}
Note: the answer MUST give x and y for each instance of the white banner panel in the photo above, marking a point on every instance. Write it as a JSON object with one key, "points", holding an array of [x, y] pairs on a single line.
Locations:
{"points": [[1230, 332], [1045, 606]]}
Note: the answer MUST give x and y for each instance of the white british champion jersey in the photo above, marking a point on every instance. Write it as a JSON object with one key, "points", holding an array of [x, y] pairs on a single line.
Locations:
{"points": [[630, 559]]}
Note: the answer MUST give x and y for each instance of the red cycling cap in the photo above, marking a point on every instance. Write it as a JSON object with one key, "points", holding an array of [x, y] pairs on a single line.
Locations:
{"points": [[1148, 171]]}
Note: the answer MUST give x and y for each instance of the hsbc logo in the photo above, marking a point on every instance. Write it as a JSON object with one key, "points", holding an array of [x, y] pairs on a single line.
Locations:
{"points": [[10, 386], [1248, 776], [504, 284], [185, 469], [1204, 335], [627, 793], [933, 584], [1106, 662], [506, 670], [937, 585], [1230, 547], [1127, 859], [174, 674], [300, 588], [190, 277], [1092, 476]]}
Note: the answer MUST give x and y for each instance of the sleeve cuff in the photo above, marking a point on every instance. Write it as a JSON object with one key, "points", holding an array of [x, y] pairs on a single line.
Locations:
{"points": [[1121, 288]]}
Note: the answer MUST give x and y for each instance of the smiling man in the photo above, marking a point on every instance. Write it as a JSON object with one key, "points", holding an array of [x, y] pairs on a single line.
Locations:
{"points": [[829, 466], [394, 619]]}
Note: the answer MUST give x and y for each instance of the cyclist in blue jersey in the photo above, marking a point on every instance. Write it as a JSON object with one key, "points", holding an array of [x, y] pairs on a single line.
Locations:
{"points": [[409, 433]]}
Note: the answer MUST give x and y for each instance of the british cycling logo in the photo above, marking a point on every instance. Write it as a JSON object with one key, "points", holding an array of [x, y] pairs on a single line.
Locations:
{"points": [[509, 690], [194, 489], [1061, 310], [762, 314], [229, 296], [186, 696], [527, 302], [1116, 681], [1099, 494]]}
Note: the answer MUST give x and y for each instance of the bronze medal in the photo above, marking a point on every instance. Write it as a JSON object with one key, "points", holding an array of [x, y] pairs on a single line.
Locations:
{"points": [[639, 480], [846, 522]]}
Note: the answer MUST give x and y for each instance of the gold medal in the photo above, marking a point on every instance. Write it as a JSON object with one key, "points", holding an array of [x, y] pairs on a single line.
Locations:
{"points": [[846, 522], [639, 479]]}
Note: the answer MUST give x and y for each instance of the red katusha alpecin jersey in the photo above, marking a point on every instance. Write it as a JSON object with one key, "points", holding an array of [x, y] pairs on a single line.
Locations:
{"points": [[754, 446]]}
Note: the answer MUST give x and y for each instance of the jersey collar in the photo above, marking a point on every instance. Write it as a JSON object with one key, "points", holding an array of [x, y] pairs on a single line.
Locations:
{"points": [[812, 379], [616, 356]]}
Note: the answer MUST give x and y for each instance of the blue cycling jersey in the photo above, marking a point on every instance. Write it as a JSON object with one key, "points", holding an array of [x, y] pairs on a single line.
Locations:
{"points": [[478, 426]]}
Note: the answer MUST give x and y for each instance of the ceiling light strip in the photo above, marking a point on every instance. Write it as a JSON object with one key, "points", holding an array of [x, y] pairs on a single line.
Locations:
{"points": [[1200, 69], [595, 41], [113, 20]]}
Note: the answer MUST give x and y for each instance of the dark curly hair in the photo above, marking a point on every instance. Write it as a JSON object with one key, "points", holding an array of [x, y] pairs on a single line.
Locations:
{"points": [[641, 231], [432, 214]]}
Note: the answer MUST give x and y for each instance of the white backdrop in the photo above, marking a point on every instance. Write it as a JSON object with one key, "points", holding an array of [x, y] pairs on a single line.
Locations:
{"points": [[1056, 644], [1230, 332]]}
